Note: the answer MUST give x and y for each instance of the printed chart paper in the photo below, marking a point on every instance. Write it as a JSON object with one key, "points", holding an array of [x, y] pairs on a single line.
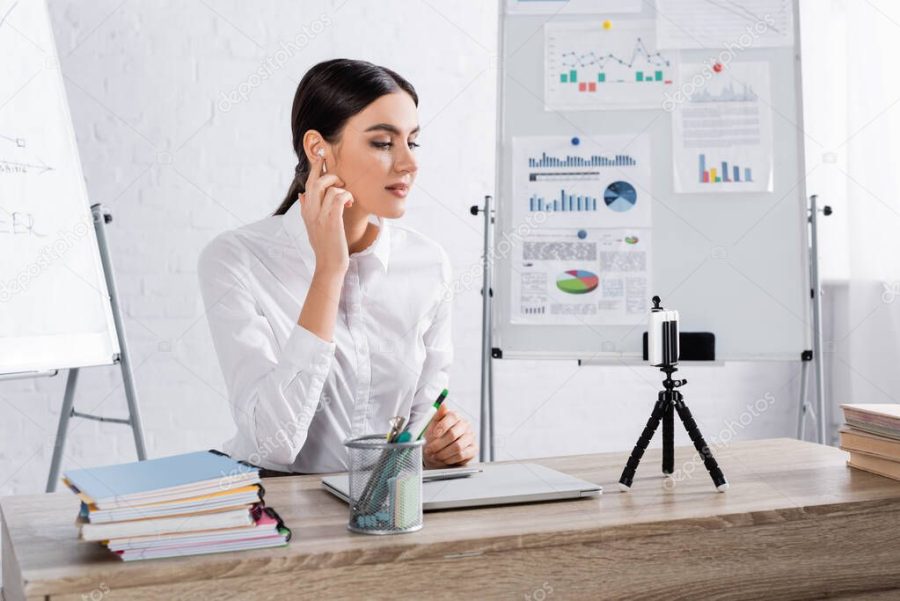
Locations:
{"points": [[582, 182], [582, 209], [587, 67], [722, 129], [724, 24], [593, 277]]}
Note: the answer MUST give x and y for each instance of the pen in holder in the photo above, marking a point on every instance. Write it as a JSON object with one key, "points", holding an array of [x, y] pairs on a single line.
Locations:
{"points": [[385, 485]]}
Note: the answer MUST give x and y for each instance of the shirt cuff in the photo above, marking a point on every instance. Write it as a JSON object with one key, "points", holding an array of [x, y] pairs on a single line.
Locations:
{"points": [[305, 350]]}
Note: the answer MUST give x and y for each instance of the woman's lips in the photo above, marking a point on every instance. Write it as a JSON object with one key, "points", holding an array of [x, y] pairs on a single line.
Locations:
{"points": [[400, 191]]}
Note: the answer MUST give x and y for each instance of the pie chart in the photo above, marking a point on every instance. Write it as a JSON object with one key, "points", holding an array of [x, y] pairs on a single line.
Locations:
{"points": [[620, 196], [577, 281]]}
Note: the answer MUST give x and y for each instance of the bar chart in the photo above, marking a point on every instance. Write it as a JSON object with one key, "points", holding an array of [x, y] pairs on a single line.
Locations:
{"points": [[570, 161], [722, 133], [581, 181], [722, 172], [565, 202], [640, 76]]}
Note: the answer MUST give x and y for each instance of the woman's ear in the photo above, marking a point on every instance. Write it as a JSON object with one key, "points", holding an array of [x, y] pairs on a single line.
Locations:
{"points": [[314, 145]]}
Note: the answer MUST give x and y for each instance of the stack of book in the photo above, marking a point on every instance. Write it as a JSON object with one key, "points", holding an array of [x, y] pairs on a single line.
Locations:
{"points": [[871, 435], [191, 504]]}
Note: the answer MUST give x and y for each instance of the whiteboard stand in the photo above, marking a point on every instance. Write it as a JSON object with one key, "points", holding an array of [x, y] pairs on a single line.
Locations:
{"points": [[815, 292], [779, 231], [101, 218], [67, 322], [486, 446]]}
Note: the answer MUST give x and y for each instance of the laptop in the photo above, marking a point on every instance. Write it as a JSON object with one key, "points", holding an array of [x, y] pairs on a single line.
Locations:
{"points": [[488, 484]]}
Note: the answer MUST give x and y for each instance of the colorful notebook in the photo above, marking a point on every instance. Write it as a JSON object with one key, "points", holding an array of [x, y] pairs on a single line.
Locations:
{"points": [[267, 531], [882, 419], [190, 504], [160, 480], [246, 495]]}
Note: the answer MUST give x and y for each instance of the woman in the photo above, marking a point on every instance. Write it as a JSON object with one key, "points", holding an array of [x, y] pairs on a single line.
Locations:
{"points": [[327, 319]]}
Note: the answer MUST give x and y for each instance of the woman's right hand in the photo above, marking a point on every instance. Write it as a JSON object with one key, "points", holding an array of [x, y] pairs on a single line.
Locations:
{"points": [[322, 209]]}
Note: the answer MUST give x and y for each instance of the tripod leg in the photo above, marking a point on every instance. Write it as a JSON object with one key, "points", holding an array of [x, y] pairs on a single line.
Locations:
{"points": [[697, 438], [641, 445], [668, 451]]}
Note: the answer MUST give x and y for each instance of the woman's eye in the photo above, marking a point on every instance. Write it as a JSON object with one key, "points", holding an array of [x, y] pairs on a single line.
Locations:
{"points": [[383, 145]]}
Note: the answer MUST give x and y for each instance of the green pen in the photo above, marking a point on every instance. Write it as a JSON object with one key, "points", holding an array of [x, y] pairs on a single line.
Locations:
{"points": [[422, 424], [377, 488]]}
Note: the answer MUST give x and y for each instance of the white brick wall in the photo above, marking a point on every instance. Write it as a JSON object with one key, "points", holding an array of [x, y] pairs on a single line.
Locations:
{"points": [[145, 83]]}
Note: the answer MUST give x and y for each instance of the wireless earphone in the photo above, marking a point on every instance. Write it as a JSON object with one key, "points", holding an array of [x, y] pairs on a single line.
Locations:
{"points": [[321, 153]]}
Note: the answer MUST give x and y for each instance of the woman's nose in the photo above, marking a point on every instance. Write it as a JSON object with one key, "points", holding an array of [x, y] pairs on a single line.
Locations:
{"points": [[406, 161]]}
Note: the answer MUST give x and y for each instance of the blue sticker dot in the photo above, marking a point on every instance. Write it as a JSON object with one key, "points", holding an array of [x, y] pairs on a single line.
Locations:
{"points": [[576, 141], [582, 234]]}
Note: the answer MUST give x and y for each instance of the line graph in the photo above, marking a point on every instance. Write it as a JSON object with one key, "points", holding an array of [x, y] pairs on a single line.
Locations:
{"points": [[655, 62], [726, 94], [588, 67]]}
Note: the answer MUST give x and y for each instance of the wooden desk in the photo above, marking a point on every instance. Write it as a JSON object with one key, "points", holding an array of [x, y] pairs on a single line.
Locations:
{"points": [[796, 523]]}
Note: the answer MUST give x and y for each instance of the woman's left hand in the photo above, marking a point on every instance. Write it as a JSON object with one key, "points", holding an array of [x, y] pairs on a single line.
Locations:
{"points": [[449, 440]]}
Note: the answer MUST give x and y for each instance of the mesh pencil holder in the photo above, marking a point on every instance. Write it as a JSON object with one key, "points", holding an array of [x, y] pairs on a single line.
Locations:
{"points": [[385, 485]]}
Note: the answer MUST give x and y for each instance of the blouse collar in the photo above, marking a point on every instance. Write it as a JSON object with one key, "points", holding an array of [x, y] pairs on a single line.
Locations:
{"points": [[292, 222]]}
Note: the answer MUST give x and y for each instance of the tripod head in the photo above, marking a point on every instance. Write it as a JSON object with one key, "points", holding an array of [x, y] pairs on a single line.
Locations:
{"points": [[669, 383]]}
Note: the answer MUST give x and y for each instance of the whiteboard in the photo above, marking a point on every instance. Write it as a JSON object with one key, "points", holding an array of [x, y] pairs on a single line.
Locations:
{"points": [[735, 265], [54, 303]]}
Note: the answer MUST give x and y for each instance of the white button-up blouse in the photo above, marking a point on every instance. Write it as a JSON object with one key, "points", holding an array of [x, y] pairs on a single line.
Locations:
{"points": [[295, 397]]}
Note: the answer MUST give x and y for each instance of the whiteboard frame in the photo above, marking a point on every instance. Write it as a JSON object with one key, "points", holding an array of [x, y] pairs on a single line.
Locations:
{"points": [[504, 334], [80, 349]]}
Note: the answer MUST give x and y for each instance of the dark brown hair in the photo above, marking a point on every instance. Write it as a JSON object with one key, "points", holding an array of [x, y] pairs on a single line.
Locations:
{"points": [[328, 95]]}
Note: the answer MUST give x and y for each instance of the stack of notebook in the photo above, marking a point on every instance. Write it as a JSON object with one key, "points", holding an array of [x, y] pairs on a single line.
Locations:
{"points": [[871, 435], [203, 502]]}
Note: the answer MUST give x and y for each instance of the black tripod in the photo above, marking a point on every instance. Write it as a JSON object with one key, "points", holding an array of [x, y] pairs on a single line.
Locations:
{"points": [[669, 400]]}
